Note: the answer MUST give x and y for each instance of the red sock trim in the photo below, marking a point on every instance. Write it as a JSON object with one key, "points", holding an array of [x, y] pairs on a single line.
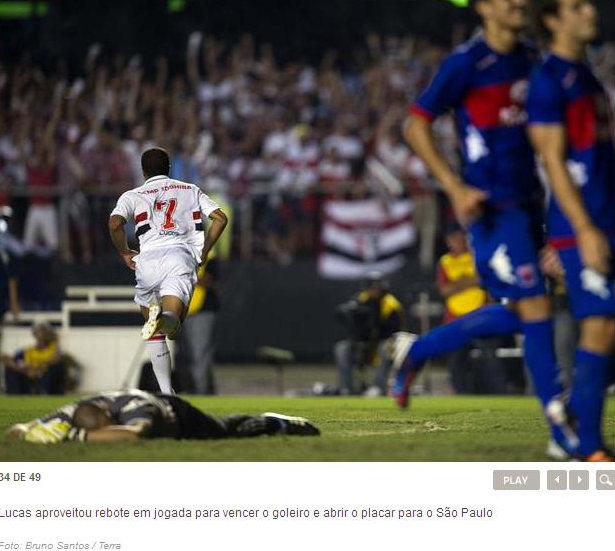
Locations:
{"points": [[157, 338]]}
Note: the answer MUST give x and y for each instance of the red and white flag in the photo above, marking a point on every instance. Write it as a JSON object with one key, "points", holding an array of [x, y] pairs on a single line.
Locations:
{"points": [[359, 237]]}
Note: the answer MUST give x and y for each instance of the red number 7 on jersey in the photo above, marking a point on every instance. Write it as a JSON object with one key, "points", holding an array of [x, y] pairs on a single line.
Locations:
{"points": [[169, 223]]}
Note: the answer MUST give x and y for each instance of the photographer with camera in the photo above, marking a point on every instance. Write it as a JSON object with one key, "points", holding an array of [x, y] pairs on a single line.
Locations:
{"points": [[370, 318]]}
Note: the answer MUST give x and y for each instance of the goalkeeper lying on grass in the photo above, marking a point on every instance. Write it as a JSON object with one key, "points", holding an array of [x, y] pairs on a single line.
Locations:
{"points": [[133, 414]]}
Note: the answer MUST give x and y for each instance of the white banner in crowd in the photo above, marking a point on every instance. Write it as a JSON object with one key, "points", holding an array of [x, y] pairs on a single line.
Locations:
{"points": [[362, 236]]}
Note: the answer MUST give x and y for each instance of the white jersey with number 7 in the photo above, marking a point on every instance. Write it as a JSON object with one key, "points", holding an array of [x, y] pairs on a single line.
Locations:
{"points": [[167, 213]]}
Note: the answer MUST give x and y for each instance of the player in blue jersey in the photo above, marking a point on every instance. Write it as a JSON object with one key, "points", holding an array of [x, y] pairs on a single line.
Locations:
{"points": [[497, 197], [570, 124]]}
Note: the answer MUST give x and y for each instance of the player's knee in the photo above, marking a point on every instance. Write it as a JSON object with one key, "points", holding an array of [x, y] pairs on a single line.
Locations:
{"points": [[534, 308], [171, 325], [598, 334], [173, 336]]}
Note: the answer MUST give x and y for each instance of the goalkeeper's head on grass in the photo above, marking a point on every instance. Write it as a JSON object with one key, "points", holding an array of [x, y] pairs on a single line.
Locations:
{"points": [[133, 414]]}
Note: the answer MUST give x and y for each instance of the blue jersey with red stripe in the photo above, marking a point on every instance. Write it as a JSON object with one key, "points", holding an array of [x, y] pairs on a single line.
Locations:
{"points": [[487, 91], [568, 93]]}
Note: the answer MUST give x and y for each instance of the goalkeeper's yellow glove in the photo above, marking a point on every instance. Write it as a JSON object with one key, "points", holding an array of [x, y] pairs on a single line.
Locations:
{"points": [[51, 432]]}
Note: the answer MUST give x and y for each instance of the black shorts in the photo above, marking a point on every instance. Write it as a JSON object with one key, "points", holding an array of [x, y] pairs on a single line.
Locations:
{"points": [[193, 423]]}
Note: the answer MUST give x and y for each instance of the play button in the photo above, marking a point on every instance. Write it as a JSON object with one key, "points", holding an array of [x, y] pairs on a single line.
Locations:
{"points": [[557, 480], [578, 480]]}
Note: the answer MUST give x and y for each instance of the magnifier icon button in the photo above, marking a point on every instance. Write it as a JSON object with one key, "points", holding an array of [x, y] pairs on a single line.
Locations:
{"points": [[605, 480]]}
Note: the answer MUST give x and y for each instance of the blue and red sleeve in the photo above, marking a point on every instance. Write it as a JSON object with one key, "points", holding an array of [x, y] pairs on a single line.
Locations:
{"points": [[446, 90]]}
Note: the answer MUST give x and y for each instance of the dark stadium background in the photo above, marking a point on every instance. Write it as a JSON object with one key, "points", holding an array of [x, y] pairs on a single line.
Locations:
{"points": [[300, 29], [263, 304]]}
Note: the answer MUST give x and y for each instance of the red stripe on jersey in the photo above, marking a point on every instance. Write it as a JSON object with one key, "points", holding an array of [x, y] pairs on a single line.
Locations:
{"points": [[485, 105], [416, 109], [581, 122], [141, 217], [157, 338], [565, 242], [196, 215]]}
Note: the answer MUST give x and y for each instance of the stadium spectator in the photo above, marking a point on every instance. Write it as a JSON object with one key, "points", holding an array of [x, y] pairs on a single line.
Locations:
{"points": [[196, 346], [39, 368], [460, 287], [74, 206], [134, 414], [565, 326], [9, 292], [41, 226], [371, 317]]}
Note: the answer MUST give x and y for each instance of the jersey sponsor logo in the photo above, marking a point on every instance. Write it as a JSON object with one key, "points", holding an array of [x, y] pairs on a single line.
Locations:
{"points": [[498, 104], [168, 232], [502, 266], [176, 186], [595, 283]]}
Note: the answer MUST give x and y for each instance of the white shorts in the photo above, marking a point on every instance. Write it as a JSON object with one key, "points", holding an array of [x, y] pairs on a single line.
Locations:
{"points": [[163, 272]]}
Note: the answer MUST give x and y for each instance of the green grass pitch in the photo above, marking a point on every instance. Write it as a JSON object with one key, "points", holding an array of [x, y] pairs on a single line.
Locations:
{"points": [[353, 429]]}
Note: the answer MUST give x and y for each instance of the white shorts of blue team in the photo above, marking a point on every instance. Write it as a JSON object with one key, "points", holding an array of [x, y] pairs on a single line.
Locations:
{"points": [[165, 272]]}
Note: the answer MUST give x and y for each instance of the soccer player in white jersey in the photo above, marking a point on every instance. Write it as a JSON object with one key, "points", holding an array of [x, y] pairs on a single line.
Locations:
{"points": [[168, 216]]}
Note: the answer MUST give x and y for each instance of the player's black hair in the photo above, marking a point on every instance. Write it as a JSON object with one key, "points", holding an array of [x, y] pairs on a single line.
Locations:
{"points": [[89, 417], [155, 162], [541, 9]]}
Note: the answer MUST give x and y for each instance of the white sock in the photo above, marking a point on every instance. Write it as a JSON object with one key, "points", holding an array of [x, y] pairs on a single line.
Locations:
{"points": [[170, 325], [161, 362]]}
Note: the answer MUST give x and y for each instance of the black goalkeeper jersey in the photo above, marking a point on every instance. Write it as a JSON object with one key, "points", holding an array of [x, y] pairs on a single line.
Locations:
{"points": [[130, 407]]}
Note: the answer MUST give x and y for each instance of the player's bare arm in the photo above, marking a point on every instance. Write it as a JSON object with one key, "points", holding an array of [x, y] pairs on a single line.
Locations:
{"points": [[118, 237], [466, 200], [549, 140], [450, 288], [116, 433], [14, 433], [218, 223]]}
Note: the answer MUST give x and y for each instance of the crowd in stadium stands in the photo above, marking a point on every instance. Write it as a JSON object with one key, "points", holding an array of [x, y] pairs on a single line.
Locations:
{"points": [[251, 132], [233, 120]]}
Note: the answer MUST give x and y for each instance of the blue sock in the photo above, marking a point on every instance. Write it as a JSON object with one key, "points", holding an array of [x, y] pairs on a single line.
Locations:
{"points": [[592, 372], [487, 321], [539, 353]]}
